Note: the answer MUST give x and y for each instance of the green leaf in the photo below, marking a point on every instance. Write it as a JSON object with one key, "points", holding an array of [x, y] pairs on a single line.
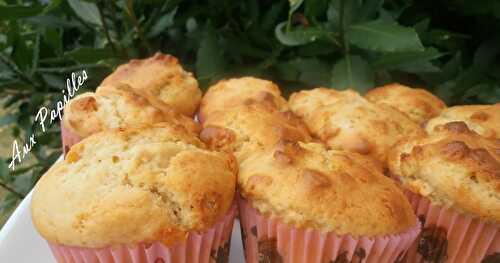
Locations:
{"points": [[397, 59], [271, 17], [422, 26], [352, 72], [52, 5], [312, 71], [4, 172], [22, 54], [52, 21], [369, 9], [294, 5], [88, 12], [36, 53], [210, 63], [418, 67], [484, 93], [163, 23], [8, 203], [191, 24], [10, 12], [297, 36], [487, 53], [315, 8], [384, 36], [52, 38], [89, 55]]}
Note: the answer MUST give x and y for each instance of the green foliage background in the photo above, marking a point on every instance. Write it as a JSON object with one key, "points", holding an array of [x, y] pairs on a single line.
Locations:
{"points": [[449, 47]]}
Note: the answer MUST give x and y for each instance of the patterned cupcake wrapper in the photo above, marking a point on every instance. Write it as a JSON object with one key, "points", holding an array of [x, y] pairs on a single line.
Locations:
{"points": [[212, 245], [448, 236], [68, 139], [269, 240]]}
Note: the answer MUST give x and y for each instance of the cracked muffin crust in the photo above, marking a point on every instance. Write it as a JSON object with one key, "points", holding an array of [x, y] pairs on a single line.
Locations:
{"points": [[306, 185], [244, 129], [241, 91], [114, 107], [483, 119], [453, 167], [344, 120], [162, 80], [419, 104], [126, 186]]}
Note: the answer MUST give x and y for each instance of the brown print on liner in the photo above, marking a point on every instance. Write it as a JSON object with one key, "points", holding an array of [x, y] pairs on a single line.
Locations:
{"points": [[221, 255], [493, 258], [268, 251], [433, 244], [358, 257]]}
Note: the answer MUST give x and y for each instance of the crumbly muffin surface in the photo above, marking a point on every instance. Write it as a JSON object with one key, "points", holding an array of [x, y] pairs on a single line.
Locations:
{"points": [[349, 122], [306, 185], [241, 91], [248, 128], [483, 119], [115, 107], [162, 80], [419, 104], [143, 184], [454, 167]]}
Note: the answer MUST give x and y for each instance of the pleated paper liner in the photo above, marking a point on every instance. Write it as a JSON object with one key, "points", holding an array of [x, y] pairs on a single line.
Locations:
{"points": [[449, 236], [68, 139], [269, 240], [212, 245]]}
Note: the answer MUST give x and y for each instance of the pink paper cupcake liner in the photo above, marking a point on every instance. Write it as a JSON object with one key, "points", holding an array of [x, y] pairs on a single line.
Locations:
{"points": [[210, 246], [448, 236], [68, 139], [269, 240]]}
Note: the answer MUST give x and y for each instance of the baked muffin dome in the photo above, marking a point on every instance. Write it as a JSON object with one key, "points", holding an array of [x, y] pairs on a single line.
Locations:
{"points": [[162, 80], [483, 119], [453, 167], [305, 103], [126, 186], [307, 186], [117, 106], [239, 91], [419, 104], [350, 122], [245, 128]]}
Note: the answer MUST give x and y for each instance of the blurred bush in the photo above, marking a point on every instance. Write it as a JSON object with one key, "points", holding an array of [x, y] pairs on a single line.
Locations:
{"points": [[449, 47]]}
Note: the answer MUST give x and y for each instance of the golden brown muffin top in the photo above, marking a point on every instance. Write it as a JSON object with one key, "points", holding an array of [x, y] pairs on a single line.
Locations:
{"points": [[483, 119], [419, 104], [240, 91], [125, 186], [454, 167], [246, 128], [305, 102], [352, 123], [114, 107], [162, 80], [307, 186]]}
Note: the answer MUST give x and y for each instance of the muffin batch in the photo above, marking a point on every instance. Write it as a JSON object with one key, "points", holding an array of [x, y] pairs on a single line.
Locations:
{"points": [[156, 172]]}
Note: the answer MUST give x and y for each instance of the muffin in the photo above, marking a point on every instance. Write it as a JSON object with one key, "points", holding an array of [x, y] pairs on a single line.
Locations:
{"points": [[452, 178], [239, 91], [419, 104], [161, 80], [483, 119], [302, 202], [344, 120], [244, 129], [142, 194], [113, 107]]}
